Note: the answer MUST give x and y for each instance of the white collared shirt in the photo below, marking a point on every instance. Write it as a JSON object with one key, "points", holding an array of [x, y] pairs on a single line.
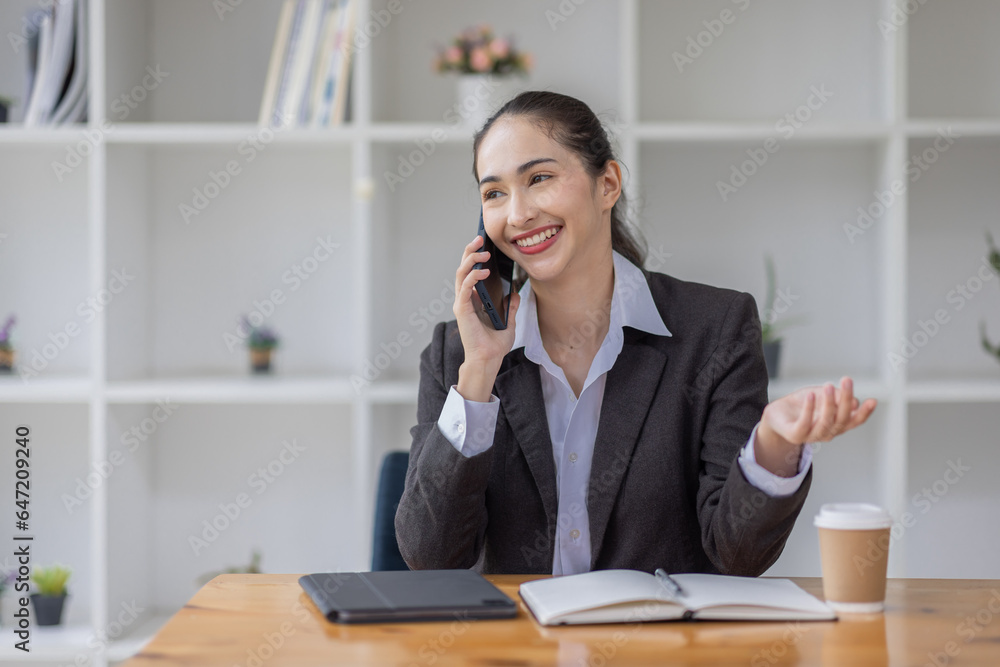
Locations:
{"points": [[573, 421]]}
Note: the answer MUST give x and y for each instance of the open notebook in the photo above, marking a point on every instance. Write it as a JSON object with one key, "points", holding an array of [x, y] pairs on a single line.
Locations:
{"points": [[628, 596]]}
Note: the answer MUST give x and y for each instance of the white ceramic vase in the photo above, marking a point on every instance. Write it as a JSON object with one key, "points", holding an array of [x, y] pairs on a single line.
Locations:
{"points": [[477, 96]]}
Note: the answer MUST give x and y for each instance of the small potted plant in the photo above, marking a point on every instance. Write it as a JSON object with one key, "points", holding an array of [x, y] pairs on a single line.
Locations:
{"points": [[6, 348], [5, 104], [482, 61], [769, 327], [50, 593], [993, 350], [261, 342]]}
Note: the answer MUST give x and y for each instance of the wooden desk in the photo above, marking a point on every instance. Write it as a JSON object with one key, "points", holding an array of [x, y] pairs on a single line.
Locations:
{"points": [[265, 620]]}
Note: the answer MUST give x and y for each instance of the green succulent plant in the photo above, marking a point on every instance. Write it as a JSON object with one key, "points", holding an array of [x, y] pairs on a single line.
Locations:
{"points": [[50, 580], [769, 329]]}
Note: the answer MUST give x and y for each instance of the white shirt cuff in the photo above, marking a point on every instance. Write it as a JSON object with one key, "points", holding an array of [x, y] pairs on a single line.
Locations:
{"points": [[773, 485], [460, 418]]}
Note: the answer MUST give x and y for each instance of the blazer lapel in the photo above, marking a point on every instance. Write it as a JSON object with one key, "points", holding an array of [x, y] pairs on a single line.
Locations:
{"points": [[628, 393], [519, 389]]}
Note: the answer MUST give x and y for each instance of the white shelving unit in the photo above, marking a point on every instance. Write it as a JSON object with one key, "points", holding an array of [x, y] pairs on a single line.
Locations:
{"points": [[149, 384]]}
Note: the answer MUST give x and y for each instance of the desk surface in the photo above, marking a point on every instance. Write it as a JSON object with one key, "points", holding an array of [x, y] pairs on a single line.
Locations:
{"points": [[266, 620]]}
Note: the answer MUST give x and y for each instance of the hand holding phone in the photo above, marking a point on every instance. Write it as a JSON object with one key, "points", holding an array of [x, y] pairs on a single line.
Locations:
{"points": [[494, 291]]}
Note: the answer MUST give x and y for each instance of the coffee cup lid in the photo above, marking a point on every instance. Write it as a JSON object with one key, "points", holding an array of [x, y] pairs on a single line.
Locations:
{"points": [[852, 516]]}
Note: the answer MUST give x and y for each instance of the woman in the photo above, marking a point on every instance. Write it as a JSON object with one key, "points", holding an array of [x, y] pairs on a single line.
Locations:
{"points": [[621, 419]]}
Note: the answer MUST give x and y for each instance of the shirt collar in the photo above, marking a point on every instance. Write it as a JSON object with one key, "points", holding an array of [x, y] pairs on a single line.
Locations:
{"points": [[631, 305]]}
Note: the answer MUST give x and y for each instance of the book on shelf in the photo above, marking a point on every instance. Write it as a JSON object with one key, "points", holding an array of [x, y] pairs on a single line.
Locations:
{"points": [[628, 596], [56, 76], [308, 76]]}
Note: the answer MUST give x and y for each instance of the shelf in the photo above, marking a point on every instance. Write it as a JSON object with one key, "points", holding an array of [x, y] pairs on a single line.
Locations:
{"points": [[50, 643], [403, 392], [985, 390], [134, 640], [405, 132], [864, 387], [961, 127], [818, 132], [373, 301], [224, 134], [44, 389], [15, 134], [208, 134], [249, 389]]}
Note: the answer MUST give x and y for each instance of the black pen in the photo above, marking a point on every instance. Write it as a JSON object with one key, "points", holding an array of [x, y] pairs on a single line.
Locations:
{"points": [[667, 580]]}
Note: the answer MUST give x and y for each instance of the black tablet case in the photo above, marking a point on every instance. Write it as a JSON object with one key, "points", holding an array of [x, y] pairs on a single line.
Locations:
{"points": [[406, 595]]}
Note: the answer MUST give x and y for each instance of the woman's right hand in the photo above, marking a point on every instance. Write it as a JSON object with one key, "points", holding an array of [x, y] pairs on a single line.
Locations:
{"points": [[485, 346]]}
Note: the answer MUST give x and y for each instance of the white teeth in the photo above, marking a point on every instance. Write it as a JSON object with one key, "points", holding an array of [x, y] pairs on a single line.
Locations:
{"points": [[537, 238]]}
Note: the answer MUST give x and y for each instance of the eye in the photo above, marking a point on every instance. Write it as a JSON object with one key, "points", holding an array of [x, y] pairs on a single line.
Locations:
{"points": [[537, 176], [489, 194]]}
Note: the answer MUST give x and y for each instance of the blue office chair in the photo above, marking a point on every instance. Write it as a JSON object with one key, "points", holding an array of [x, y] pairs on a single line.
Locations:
{"points": [[385, 549]]}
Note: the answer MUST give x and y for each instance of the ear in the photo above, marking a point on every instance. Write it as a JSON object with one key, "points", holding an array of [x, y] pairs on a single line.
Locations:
{"points": [[610, 183]]}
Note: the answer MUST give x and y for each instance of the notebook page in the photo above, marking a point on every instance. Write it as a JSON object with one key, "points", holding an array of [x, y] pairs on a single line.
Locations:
{"points": [[714, 590], [550, 598]]}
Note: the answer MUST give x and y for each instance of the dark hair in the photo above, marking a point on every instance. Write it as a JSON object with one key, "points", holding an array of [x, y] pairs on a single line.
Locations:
{"points": [[574, 126]]}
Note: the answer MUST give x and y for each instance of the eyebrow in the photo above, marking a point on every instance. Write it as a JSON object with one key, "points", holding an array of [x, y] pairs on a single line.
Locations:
{"points": [[520, 170]]}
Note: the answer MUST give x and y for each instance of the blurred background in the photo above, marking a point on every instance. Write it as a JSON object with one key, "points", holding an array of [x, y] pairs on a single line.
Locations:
{"points": [[225, 240]]}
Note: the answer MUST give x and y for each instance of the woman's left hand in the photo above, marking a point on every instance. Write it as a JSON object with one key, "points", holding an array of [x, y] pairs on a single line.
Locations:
{"points": [[809, 414]]}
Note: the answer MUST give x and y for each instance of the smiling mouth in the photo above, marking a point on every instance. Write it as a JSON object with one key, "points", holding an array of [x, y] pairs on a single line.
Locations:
{"points": [[538, 238]]}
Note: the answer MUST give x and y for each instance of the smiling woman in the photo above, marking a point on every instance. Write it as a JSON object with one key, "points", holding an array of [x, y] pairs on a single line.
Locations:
{"points": [[621, 418]]}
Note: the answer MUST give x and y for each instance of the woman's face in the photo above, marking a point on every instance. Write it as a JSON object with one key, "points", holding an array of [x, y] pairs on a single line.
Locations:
{"points": [[540, 207]]}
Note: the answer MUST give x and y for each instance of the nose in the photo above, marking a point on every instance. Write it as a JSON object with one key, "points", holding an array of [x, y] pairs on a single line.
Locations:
{"points": [[522, 209]]}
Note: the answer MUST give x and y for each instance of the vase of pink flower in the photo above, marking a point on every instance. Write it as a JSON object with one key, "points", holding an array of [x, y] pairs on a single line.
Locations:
{"points": [[485, 65]]}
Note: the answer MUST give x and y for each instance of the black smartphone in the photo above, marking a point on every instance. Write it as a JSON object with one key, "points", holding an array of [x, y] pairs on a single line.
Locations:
{"points": [[495, 290]]}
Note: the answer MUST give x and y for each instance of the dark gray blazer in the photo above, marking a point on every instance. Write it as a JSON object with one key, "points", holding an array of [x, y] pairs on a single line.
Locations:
{"points": [[665, 486]]}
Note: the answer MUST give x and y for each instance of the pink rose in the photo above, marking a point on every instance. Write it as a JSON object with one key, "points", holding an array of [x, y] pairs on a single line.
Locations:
{"points": [[500, 47], [453, 55], [480, 60]]}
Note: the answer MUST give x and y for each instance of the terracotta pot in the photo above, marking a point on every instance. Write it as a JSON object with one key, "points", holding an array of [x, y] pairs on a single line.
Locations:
{"points": [[6, 360], [260, 359]]}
